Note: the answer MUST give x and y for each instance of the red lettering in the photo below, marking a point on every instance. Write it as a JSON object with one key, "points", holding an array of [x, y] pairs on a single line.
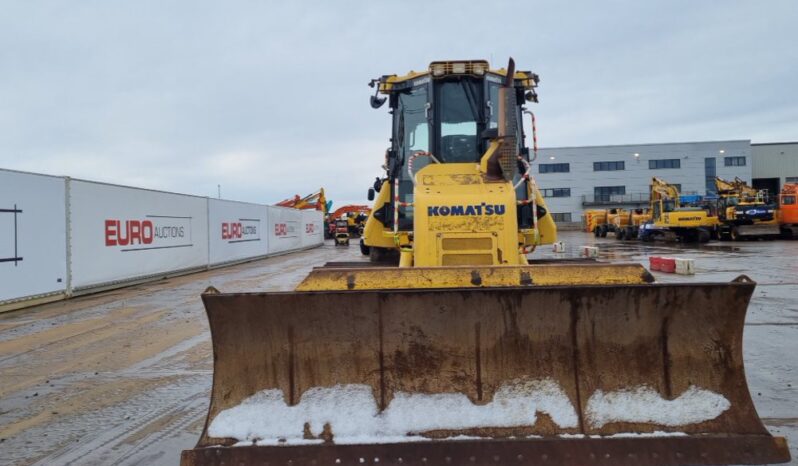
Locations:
{"points": [[146, 231], [111, 227], [133, 232], [232, 230], [123, 240], [134, 228]]}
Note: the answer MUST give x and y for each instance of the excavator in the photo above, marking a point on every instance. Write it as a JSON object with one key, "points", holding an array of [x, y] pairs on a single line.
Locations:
{"points": [[788, 210], [355, 216], [671, 221], [464, 351], [315, 200], [744, 212]]}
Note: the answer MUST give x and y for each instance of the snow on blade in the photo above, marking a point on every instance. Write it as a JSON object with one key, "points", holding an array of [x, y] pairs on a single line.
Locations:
{"points": [[646, 405], [354, 417]]}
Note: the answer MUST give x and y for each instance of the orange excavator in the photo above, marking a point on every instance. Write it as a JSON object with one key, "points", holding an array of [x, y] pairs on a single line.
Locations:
{"points": [[788, 210], [355, 216]]}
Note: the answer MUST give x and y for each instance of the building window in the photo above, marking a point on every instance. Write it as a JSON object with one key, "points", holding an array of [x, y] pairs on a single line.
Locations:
{"points": [[603, 193], [791, 179], [709, 175], [556, 192], [561, 217], [608, 166], [664, 163], [734, 161], [554, 167]]}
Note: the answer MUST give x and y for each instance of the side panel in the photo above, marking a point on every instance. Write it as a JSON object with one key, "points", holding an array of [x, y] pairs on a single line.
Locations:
{"points": [[285, 229], [237, 231], [312, 228], [32, 235], [121, 233]]}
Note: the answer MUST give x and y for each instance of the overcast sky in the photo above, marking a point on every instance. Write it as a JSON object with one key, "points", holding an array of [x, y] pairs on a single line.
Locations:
{"points": [[270, 99]]}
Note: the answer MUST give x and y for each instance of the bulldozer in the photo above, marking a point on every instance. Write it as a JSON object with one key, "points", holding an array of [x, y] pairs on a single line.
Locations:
{"points": [[670, 221], [456, 348], [744, 212]]}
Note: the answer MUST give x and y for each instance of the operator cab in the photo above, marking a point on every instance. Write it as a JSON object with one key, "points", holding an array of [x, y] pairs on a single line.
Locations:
{"points": [[451, 112]]}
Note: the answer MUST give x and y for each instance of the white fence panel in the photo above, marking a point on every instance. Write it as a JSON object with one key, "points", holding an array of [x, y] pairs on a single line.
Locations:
{"points": [[312, 228], [121, 233], [32, 235], [237, 231], [285, 229]]}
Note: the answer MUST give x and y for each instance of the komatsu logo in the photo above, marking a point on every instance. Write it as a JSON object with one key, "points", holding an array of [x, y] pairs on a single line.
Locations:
{"points": [[475, 209]]}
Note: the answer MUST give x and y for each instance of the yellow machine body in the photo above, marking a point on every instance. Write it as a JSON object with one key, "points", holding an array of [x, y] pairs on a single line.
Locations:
{"points": [[457, 350], [687, 218], [461, 219]]}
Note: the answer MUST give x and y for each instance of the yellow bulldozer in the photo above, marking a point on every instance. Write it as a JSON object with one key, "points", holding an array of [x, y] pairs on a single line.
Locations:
{"points": [[454, 348]]}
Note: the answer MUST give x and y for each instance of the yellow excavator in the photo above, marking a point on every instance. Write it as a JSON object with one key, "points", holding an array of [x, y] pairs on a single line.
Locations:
{"points": [[454, 348], [670, 221], [745, 212]]}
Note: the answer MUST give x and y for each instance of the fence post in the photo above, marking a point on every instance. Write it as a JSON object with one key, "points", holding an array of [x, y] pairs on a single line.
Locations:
{"points": [[68, 229]]}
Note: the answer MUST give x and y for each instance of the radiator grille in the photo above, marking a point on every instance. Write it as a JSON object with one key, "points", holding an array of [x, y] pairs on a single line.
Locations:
{"points": [[464, 244], [467, 259]]}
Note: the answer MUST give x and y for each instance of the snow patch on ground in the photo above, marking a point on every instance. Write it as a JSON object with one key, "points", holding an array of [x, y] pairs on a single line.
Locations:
{"points": [[354, 417], [646, 405]]}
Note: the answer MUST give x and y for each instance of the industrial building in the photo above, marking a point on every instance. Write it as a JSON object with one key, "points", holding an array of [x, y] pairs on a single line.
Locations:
{"points": [[774, 164], [573, 179]]}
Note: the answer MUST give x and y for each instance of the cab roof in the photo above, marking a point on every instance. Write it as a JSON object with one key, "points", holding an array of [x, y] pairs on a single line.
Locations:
{"points": [[447, 69]]}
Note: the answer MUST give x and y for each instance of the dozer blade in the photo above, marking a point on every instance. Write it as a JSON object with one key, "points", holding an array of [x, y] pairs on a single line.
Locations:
{"points": [[646, 374]]}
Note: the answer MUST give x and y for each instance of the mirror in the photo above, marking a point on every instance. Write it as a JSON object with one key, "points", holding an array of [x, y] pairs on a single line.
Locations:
{"points": [[376, 102], [371, 194]]}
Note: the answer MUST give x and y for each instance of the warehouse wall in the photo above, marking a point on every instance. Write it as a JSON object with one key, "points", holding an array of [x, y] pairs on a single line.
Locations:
{"points": [[636, 176], [60, 237], [775, 161]]}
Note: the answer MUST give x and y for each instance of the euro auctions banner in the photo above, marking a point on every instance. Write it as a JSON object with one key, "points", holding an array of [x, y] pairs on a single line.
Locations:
{"points": [[285, 229], [313, 231], [32, 235], [237, 231], [122, 233]]}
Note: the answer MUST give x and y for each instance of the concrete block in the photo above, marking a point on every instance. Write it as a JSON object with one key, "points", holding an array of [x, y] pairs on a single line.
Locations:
{"points": [[590, 251], [685, 266]]}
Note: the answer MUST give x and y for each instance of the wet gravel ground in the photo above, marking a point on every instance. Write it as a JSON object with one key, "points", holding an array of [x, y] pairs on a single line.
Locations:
{"points": [[124, 377]]}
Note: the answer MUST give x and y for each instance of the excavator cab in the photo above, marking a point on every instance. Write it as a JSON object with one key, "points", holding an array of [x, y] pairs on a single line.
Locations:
{"points": [[468, 353]]}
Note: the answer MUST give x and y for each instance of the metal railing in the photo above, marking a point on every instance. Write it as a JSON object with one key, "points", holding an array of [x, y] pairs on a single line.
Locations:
{"points": [[633, 199], [615, 199]]}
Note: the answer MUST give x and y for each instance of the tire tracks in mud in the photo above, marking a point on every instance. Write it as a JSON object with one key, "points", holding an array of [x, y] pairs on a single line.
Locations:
{"points": [[147, 403]]}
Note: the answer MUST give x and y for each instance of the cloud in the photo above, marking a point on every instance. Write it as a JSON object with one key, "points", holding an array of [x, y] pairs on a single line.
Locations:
{"points": [[270, 100]]}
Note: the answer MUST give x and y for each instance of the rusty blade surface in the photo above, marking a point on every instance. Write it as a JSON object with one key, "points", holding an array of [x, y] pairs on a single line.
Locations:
{"points": [[588, 339], [664, 451]]}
